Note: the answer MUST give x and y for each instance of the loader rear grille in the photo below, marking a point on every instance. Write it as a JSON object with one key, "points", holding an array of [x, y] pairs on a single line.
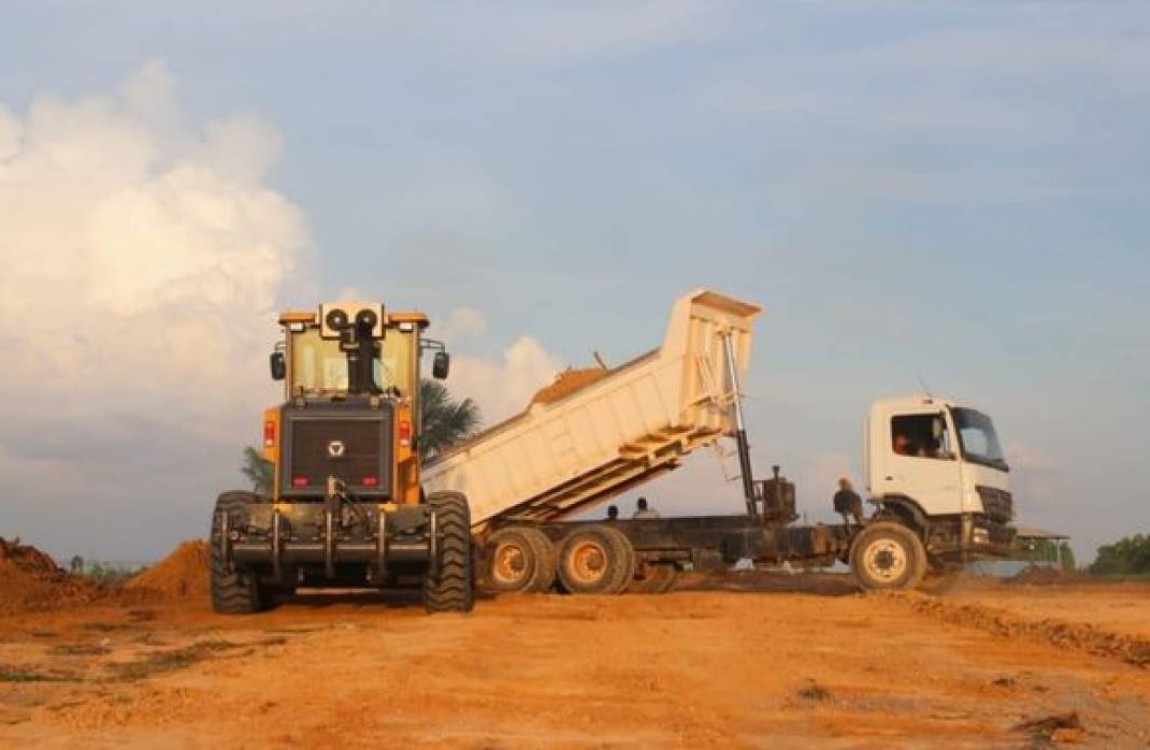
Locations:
{"points": [[354, 446]]}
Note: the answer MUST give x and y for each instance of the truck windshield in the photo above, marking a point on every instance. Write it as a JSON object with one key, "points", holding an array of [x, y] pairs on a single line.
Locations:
{"points": [[978, 439]]}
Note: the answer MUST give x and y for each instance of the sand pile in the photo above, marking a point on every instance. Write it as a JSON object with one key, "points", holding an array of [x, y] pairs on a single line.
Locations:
{"points": [[30, 581], [26, 557], [567, 382], [184, 574]]}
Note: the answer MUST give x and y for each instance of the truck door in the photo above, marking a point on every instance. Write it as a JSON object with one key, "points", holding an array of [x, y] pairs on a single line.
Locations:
{"points": [[921, 461]]}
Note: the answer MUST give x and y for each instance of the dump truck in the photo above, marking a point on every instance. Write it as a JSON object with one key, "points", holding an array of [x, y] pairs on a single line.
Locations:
{"points": [[576, 448], [346, 508]]}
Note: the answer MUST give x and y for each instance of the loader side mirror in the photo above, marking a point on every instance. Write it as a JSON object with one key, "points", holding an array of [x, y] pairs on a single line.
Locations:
{"points": [[278, 366], [441, 365]]}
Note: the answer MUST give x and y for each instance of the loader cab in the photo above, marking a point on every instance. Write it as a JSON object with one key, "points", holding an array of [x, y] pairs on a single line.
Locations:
{"points": [[943, 457], [312, 360]]}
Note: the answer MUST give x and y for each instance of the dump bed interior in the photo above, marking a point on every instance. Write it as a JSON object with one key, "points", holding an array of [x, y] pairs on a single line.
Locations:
{"points": [[573, 448]]}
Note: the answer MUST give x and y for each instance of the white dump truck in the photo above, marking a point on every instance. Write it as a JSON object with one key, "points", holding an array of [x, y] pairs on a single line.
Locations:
{"points": [[937, 478]]}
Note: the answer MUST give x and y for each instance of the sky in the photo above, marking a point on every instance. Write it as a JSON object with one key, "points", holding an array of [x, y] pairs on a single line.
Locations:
{"points": [[949, 195]]}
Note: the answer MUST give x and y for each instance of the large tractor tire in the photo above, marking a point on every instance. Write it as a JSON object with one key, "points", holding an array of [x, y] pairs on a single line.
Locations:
{"points": [[653, 578], [234, 592], [596, 559], [447, 587], [887, 556], [519, 559]]}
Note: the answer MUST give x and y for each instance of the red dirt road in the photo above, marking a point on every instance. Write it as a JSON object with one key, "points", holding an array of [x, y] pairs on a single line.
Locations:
{"points": [[756, 661]]}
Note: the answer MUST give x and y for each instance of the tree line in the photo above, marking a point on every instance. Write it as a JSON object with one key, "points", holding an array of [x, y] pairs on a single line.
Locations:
{"points": [[1128, 556]]}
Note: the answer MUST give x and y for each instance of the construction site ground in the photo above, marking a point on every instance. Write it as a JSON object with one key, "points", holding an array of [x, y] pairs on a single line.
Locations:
{"points": [[742, 660]]}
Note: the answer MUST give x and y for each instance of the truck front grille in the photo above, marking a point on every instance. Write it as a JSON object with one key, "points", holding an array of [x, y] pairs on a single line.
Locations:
{"points": [[997, 504]]}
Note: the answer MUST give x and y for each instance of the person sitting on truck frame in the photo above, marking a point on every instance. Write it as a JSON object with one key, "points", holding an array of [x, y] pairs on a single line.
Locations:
{"points": [[847, 503], [642, 511], [612, 513]]}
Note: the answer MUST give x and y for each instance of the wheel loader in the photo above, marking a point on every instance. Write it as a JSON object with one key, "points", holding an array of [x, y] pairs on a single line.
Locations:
{"points": [[346, 509]]}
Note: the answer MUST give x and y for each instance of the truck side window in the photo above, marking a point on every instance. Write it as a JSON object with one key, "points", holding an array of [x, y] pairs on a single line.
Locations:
{"points": [[921, 436]]}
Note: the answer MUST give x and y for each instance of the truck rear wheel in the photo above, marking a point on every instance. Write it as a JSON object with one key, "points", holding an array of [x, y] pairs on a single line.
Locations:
{"points": [[596, 559], [447, 586], [234, 592], [887, 556], [654, 578], [520, 559]]}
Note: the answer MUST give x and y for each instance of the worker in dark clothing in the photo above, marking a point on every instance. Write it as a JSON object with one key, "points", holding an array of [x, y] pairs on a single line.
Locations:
{"points": [[612, 513], [642, 511], [847, 503]]}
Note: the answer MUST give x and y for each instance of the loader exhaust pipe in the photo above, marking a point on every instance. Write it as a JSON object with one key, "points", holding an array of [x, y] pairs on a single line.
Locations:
{"points": [[745, 471]]}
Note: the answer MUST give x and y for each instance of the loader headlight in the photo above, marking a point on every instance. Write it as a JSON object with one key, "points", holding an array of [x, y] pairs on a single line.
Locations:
{"points": [[366, 319], [336, 319]]}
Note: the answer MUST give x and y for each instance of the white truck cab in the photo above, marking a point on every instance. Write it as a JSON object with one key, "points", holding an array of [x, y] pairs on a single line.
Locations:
{"points": [[938, 467]]}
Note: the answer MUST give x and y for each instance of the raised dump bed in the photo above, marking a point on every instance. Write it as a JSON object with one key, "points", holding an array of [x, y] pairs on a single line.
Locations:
{"points": [[571, 450]]}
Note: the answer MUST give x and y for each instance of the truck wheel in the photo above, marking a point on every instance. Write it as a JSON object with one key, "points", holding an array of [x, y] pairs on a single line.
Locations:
{"points": [[234, 592], [657, 578], [887, 556], [520, 559], [596, 559], [447, 586]]}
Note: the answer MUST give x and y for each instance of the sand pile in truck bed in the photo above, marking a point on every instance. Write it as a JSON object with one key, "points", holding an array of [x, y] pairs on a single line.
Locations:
{"points": [[184, 574], [567, 382], [30, 581]]}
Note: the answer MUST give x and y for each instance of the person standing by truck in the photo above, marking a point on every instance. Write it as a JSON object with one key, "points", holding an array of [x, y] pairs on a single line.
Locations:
{"points": [[643, 511], [847, 503]]}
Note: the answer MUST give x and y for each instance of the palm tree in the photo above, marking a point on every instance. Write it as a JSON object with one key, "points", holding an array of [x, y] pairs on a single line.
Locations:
{"points": [[259, 470], [445, 420]]}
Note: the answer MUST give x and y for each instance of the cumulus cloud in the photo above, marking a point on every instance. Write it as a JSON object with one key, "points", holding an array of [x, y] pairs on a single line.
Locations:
{"points": [[504, 387], [143, 255], [462, 323]]}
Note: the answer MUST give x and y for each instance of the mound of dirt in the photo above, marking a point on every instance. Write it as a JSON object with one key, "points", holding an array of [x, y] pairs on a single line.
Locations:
{"points": [[1066, 635], [184, 574], [30, 581], [26, 557]]}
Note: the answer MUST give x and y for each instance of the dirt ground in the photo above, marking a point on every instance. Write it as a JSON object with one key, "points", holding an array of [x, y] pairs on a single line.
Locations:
{"points": [[749, 660]]}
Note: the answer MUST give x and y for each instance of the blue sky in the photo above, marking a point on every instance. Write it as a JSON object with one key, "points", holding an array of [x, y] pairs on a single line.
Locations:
{"points": [[951, 191]]}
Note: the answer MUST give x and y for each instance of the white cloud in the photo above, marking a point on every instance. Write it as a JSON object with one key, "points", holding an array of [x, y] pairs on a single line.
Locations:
{"points": [[462, 323], [143, 257], [504, 388]]}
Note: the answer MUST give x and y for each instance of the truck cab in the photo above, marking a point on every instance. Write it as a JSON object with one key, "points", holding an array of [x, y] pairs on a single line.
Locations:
{"points": [[938, 467]]}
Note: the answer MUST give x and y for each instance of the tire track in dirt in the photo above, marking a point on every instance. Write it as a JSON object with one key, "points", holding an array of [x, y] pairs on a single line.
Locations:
{"points": [[1061, 634]]}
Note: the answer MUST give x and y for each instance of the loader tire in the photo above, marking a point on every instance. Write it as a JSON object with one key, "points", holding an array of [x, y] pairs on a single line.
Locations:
{"points": [[234, 592], [520, 559], [596, 559], [656, 578], [447, 586], [887, 556]]}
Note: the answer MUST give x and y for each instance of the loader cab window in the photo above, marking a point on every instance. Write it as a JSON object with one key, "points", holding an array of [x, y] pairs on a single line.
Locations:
{"points": [[318, 365], [922, 436], [397, 367]]}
